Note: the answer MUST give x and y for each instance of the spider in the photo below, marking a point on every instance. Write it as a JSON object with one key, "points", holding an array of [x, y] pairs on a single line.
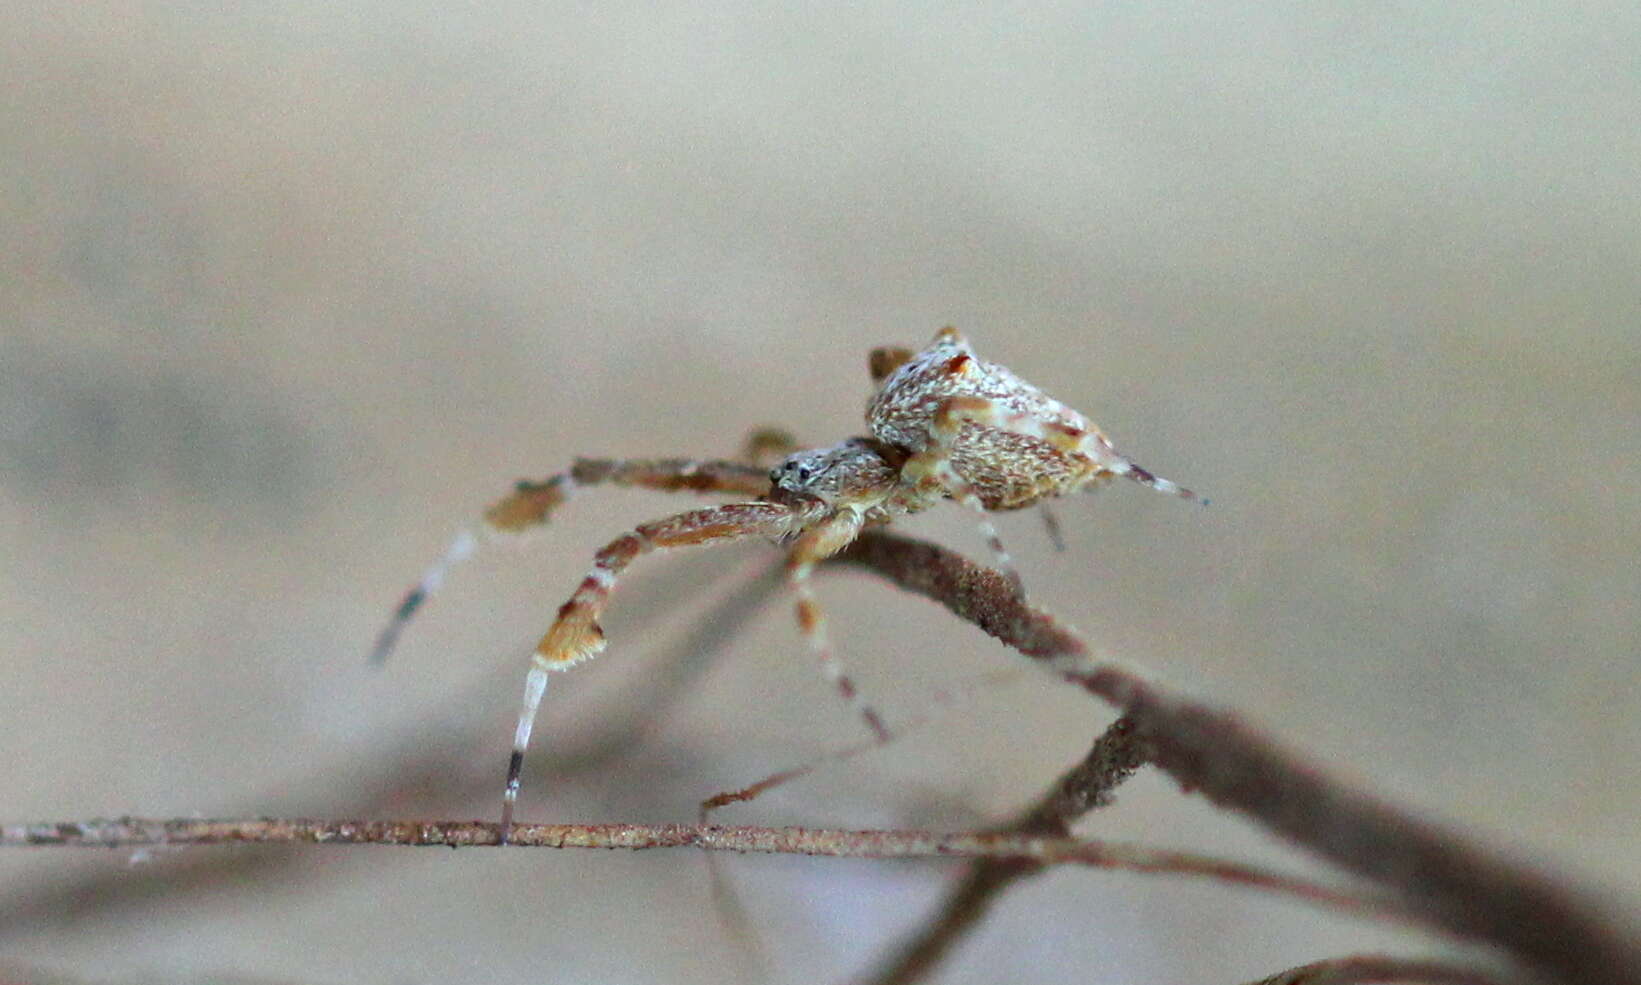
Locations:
{"points": [[944, 425]]}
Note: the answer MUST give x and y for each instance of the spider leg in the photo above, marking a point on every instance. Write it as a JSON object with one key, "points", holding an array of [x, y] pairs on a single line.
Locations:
{"points": [[1051, 526], [576, 636], [932, 468], [943, 702], [965, 494], [531, 505], [816, 545], [883, 361], [765, 447], [461, 548], [1051, 516]]}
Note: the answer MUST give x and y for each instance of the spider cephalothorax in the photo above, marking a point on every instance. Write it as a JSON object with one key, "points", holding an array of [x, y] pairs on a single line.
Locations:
{"points": [[860, 476], [944, 425], [859, 471]]}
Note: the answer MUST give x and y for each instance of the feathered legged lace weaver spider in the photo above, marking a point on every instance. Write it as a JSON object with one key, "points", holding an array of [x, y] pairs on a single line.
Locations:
{"points": [[944, 425]]}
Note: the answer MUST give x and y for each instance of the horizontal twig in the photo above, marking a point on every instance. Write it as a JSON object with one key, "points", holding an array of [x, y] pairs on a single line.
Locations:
{"points": [[132, 832]]}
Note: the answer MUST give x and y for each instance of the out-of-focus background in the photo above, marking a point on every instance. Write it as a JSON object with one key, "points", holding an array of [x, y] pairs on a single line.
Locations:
{"points": [[289, 292]]}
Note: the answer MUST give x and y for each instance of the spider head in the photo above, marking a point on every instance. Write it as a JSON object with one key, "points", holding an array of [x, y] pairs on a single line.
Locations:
{"points": [[859, 471]]}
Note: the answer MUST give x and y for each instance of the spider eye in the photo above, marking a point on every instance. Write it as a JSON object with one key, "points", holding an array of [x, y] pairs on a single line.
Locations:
{"points": [[803, 473]]}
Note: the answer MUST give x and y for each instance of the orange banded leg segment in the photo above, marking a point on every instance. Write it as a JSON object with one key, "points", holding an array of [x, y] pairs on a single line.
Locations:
{"points": [[576, 636], [531, 505], [813, 547]]}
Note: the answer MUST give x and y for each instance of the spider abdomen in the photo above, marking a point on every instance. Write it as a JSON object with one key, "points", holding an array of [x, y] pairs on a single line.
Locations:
{"points": [[1011, 471]]}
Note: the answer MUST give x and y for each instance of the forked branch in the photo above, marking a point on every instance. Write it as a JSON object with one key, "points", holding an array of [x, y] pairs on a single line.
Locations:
{"points": [[1557, 933], [1554, 930]]}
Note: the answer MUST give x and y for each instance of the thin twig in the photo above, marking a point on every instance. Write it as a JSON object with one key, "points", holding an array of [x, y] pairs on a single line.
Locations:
{"points": [[1113, 758], [1554, 929], [943, 700], [737, 921], [134, 832]]}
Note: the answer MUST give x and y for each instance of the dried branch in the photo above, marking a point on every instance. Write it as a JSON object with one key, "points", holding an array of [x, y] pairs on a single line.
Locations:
{"points": [[1361, 969], [1553, 929]]}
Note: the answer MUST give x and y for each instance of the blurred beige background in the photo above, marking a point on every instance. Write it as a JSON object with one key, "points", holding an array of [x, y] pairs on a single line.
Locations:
{"points": [[288, 292]]}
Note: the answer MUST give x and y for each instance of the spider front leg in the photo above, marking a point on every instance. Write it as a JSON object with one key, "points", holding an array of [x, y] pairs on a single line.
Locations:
{"points": [[531, 505], [576, 636]]}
